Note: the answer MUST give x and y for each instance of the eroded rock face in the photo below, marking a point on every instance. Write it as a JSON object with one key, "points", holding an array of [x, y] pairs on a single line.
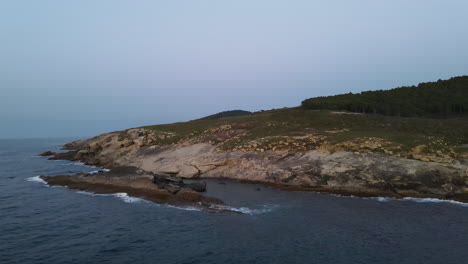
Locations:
{"points": [[341, 171]]}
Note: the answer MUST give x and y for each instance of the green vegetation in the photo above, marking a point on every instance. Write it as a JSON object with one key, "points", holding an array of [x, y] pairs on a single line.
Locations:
{"points": [[447, 98], [329, 126], [400, 127]]}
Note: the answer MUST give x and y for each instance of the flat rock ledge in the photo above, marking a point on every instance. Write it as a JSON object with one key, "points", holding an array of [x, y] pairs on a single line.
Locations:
{"points": [[138, 185], [341, 172]]}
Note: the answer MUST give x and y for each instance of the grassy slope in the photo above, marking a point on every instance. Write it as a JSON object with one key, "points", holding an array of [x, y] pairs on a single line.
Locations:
{"points": [[405, 133]]}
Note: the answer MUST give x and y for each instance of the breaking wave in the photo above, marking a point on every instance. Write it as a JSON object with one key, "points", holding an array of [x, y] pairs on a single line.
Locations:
{"points": [[36, 179], [188, 208], [123, 196], [418, 200], [434, 200], [245, 210], [98, 171]]}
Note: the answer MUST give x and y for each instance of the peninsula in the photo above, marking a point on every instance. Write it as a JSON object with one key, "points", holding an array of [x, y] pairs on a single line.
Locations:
{"points": [[405, 142]]}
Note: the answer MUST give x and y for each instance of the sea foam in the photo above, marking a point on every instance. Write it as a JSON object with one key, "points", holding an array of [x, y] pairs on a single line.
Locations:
{"points": [[36, 179], [245, 210], [123, 196], [434, 200]]}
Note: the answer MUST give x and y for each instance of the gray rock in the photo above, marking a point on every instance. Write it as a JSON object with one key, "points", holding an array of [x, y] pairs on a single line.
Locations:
{"points": [[199, 186]]}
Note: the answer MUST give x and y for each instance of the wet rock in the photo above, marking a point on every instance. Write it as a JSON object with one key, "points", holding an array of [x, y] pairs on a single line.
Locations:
{"points": [[163, 181], [172, 188], [197, 186], [189, 195], [47, 153], [70, 155]]}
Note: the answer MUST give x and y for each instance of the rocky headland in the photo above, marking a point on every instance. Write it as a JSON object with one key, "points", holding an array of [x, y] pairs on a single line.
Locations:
{"points": [[319, 159]]}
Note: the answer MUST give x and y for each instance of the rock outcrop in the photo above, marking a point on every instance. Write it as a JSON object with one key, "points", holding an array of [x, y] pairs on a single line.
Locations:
{"points": [[319, 169], [136, 183]]}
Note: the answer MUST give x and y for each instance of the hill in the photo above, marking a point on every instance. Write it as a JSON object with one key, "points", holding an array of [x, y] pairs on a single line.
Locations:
{"points": [[223, 114], [448, 98], [320, 150]]}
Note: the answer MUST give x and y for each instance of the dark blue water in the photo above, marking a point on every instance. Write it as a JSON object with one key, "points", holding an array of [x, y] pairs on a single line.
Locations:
{"points": [[41, 224]]}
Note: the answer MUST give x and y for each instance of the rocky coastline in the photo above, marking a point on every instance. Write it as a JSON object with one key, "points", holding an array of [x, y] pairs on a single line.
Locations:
{"points": [[340, 172], [140, 184]]}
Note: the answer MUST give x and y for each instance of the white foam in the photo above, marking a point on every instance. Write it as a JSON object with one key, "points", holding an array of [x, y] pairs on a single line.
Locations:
{"points": [[434, 200], [382, 199], [79, 163], [411, 199], [36, 179], [98, 171], [188, 208], [123, 196], [244, 210], [419, 200], [127, 199]]}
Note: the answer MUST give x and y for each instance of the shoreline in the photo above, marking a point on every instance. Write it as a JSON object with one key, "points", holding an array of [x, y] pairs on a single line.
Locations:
{"points": [[341, 173], [212, 204], [142, 187], [136, 186], [361, 193]]}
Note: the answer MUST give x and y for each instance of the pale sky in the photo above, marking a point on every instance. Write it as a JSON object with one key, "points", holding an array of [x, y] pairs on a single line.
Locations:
{"points": [[79, 68]]}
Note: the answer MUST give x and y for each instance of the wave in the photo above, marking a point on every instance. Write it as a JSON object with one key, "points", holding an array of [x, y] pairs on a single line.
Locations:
{"points": [[98, 171], [418, 200], [79, 163], [128, 199], [187, 208], [245, 210], [434, 200], [382, 199], [123, 196], [36, 179], [410, 199]]}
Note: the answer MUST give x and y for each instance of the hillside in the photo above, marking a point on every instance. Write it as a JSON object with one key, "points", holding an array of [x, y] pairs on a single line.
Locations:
{"points": [[448, 98], [296, 129], [319, 150]]}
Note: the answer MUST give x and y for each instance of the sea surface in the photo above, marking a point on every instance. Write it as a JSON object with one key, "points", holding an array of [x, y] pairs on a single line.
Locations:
{"points": [[42, 224]]}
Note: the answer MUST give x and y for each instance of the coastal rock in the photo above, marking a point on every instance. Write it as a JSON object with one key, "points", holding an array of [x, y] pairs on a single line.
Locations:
{"points": [[174, 184], [70, 155], [135, 183], [47, 153], [162, 181], [197, 186], [189, 195], [320, 169]]}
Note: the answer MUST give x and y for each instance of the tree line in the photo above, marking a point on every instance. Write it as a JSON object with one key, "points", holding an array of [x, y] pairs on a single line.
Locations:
{"points": [[443, 98]]}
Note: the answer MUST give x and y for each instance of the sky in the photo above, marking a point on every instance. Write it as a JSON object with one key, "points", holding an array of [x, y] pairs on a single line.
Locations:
{"points": [[80, 68]]}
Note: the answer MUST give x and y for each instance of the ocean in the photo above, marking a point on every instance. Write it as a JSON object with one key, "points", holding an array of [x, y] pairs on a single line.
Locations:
{"points": [[42, 224]]}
